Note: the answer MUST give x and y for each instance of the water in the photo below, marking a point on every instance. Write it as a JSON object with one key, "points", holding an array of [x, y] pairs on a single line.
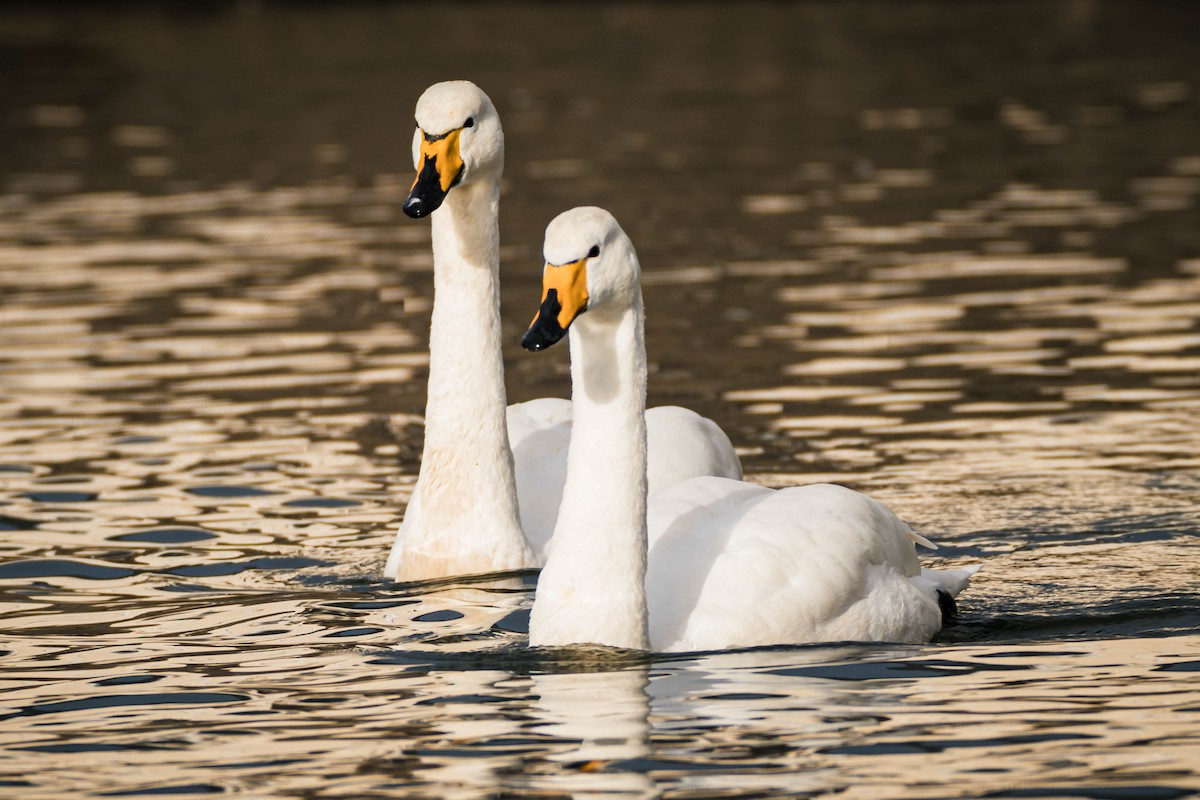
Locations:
{"points": [[944, 253]]}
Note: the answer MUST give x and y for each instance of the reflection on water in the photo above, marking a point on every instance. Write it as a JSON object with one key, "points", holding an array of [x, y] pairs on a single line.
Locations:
{"points": [[948, 255]]}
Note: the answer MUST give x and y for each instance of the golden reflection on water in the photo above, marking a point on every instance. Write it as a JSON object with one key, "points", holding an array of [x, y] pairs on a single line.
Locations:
{"points": [[863, 722], [982, 309]]}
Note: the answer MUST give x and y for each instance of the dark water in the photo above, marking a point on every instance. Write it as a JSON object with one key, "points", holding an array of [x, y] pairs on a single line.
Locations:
{"points": [[947, 253]]}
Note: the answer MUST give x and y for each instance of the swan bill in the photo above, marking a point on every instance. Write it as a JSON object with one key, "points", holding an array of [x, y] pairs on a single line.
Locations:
{"points": [[564, 297], [545, 330], [441, 169]]}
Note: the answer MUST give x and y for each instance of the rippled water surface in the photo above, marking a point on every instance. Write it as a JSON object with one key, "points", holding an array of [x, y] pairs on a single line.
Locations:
{"points": [[945, 253]]}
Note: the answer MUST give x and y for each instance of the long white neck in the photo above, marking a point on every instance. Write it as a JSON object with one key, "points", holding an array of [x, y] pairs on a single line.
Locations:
{"points": [[592, 589], [466, 519]]}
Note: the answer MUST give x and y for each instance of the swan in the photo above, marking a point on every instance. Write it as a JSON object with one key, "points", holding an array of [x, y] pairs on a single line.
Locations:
{"points": [[472, 511], [709, 563]]}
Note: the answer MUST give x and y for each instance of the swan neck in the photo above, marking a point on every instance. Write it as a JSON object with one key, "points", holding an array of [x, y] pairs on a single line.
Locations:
{"points": [[468, 520], [466, 369], [592, 589]]}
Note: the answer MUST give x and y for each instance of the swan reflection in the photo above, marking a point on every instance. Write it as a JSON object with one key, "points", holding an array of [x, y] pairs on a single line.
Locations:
{"points": [[599, 723]]}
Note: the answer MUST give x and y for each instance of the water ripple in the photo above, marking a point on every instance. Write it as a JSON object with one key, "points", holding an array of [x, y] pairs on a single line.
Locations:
{"points": [[972, 292]]}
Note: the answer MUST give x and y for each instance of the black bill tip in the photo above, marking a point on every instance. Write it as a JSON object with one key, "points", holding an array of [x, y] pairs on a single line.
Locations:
{"points": [[545, 330], [416, 206], [426, 195]]}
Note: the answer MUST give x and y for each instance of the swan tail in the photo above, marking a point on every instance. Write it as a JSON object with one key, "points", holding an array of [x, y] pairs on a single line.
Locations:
{"points": [[950, 581]]}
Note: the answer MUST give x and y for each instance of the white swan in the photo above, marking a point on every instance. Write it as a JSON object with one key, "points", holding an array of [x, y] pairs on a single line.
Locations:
{"points": [[464, 516], [731, 564]]}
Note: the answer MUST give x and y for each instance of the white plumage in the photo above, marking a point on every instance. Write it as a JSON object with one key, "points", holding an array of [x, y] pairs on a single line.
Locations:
{"points": [[475, 508], [733, 565], [681, 445], [730, 564]]}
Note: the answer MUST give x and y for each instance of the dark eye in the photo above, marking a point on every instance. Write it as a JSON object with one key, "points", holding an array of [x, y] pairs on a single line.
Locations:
{"points": [[595, 251], [470, 123]]}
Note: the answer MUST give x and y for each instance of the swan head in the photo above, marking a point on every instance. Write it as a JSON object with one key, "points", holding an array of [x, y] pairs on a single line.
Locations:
{"points": [[590, 266], [458, 140]]}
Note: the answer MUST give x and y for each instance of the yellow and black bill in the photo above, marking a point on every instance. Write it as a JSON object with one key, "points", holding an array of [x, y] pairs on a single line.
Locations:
{"points": [[440, 170], [564, 297]]}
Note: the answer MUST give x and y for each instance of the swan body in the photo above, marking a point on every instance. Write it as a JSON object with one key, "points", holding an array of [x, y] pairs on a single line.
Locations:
{"points": [[473, 510], [681, 445], [818, 563], [707, 563]]}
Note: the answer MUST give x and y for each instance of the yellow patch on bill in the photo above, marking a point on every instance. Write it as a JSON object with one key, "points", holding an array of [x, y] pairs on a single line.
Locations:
{"points": [[570, 281]]}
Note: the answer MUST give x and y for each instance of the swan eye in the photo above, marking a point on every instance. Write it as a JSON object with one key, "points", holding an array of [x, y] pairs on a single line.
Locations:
{"points": [[595, 251], [470, 123]]}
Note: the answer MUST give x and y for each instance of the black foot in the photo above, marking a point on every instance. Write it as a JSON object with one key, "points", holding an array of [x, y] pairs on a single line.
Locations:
{"points": [[948, 607]]}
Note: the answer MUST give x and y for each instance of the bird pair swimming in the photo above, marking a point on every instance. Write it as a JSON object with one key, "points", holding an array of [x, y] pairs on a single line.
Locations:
{"points": [[649, 538]]}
